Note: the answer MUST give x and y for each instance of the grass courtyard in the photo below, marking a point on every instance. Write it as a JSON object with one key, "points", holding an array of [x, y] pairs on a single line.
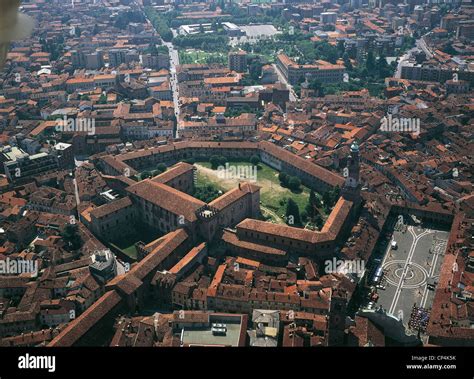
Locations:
{"points": [[273, 196], [127, 243]]}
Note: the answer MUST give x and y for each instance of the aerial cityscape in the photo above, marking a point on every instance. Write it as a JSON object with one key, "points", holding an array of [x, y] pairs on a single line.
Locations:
{"points": [[236, 173]]}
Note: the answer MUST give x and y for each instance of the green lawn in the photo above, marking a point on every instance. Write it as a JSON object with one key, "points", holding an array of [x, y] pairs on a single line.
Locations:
{"points": [[273, 196], [127, 243], [190, 56], [128, 250]]}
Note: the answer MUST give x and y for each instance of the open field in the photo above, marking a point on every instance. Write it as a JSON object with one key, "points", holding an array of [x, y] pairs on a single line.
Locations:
{"points": [[272, 195]]}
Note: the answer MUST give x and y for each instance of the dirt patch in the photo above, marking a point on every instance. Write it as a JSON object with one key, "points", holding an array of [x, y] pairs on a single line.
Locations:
{"points": [[267, 185]]}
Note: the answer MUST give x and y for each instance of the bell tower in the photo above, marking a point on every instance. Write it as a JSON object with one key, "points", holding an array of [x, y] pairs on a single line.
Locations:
{"points": [[337, 318], [351, 188]]}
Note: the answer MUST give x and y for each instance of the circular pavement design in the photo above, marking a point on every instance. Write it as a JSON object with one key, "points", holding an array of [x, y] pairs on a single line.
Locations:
{"points": [[416, 274]]}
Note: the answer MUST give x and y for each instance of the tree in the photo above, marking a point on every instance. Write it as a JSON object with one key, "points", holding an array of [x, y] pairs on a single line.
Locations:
{"points": [[340, 46], [382, 67], [125, 18], [146, 174], [294, 183], [255, 160], [255, 70], [309, 210], [71, 236], [315, 200], [347, 62], [206, 194], [318, 220], [313, 204], [292, 213], [152, 49], [327, 199], [330, 197], [370, 62], [222, 160], [217, 160], [312, 198], [283, 177], [336, 194], [316, 86], [209, 42], [161, 167], [326, 51], [214, 160], [160, 23]]}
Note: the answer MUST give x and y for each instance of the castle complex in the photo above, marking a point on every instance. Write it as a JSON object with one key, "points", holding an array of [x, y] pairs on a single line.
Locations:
{"points": [[165, 202]]}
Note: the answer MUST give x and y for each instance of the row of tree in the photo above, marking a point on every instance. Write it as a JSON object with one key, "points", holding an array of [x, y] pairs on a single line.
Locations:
{"points": [[217, 160], [330, 197], [206, 193], [311, 213], [150, 174], [160, 23], [206, 42], [291, 182]]}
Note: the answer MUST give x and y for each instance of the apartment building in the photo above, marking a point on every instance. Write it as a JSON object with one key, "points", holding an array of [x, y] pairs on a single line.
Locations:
{"points": [[19, 165], [238, 61]]}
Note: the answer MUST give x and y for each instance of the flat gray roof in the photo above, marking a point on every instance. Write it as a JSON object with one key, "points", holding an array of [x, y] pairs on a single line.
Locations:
{"points": [[205, 337]]}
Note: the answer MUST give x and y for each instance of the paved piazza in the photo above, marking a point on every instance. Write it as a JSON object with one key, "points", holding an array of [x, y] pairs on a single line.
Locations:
{"points": [[409, 268]]}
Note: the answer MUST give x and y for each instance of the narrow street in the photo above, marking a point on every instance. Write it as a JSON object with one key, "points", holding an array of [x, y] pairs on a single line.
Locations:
{"points": [[423, 46], [282, 79], [76, 192], [174, 61], [405, 57], [419, 45]]}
